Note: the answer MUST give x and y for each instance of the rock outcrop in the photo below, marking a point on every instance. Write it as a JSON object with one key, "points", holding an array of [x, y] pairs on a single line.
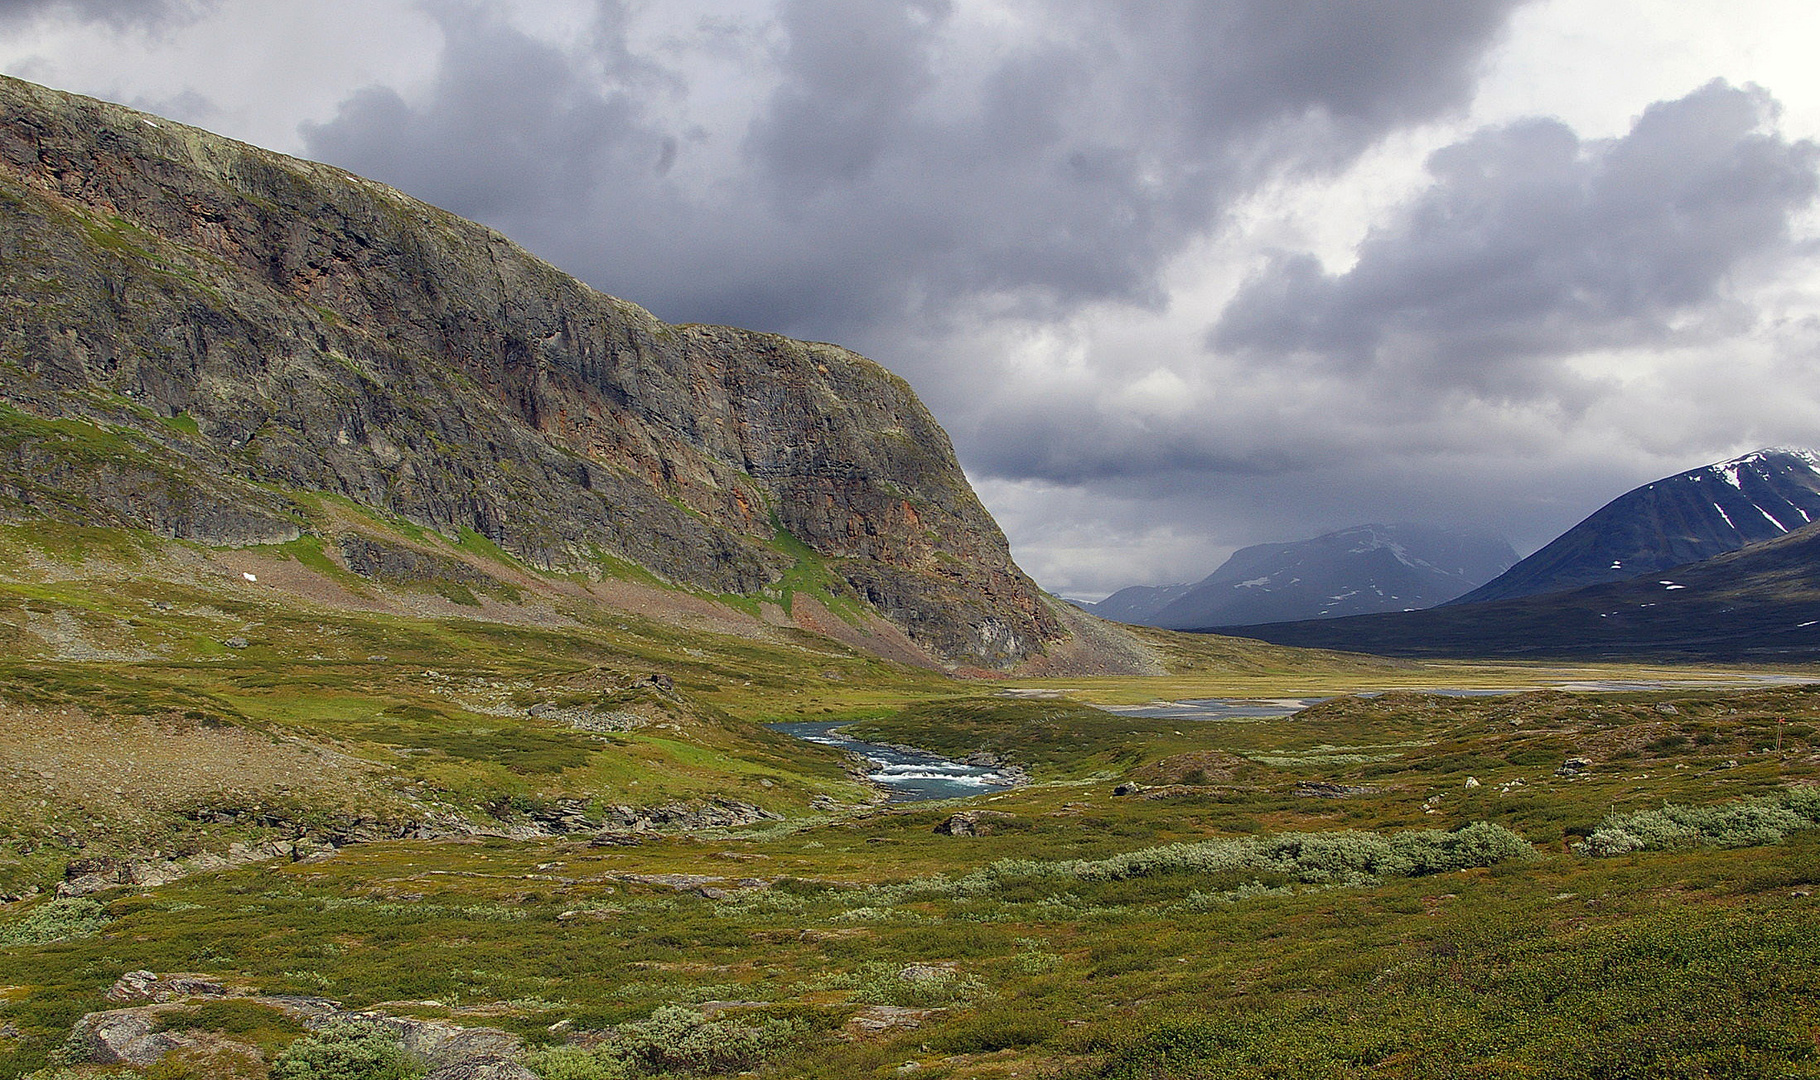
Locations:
{"points": [[198, 336], [135, 1036]]}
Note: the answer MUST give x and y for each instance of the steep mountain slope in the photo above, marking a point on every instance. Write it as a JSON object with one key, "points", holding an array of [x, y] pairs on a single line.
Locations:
{"points": [[198, 336], [1353, 571], [1680, 519], [1759, 603]]}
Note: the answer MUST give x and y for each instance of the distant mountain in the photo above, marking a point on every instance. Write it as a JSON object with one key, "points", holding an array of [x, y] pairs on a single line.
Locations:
{"points": [[1682, 519], [1138, 603], [1367, 568], [1759, 603]]}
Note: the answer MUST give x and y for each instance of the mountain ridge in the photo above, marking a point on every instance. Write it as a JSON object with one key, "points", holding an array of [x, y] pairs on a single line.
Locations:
{"points": [[1690, 516], [1760, 603], [196, 330], [1363, 568]]}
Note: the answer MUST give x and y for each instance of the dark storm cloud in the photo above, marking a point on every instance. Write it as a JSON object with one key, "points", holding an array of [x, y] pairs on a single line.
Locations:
{"points": [[1531, 245], [117, 13], [515, 130], [889, 171]]}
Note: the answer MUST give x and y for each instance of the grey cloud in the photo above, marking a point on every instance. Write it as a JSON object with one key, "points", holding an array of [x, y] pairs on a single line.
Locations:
{"points": [[520, 136], [117, 13], [1531, 245], [1359, 65], [876, 183]]}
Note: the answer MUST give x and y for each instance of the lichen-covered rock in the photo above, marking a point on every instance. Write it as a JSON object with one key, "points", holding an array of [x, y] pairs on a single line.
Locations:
{"points": [[121, 1037], [483, 1069], [194, 327]]}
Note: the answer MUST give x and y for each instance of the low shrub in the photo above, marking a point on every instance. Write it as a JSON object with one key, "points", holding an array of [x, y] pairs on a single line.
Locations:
{"points": [[57, 920], [1315, 858], [675, 1039], [919, 986], [672, 1039], [574, 1063], [346, 1052], [1744, 823]]}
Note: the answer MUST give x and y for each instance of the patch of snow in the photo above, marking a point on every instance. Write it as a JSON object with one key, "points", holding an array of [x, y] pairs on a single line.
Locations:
{"points": [[1253, 583], [250, 577], [1810, 622], [1800, 453], [1772, 520], [1617, 564], [1726, 516]]}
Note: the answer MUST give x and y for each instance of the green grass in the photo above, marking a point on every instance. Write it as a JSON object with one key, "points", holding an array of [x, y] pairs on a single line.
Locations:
{"points": [[182, 423]]}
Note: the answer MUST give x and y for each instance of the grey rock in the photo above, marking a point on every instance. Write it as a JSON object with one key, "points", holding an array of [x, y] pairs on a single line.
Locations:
{"points": [[712, 814], [146, 986], [1317, 789], [971, 823], [489, 1068], [121, 1037], [878, 1019]]}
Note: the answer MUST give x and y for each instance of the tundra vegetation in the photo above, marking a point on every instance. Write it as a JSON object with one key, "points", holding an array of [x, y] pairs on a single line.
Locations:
{"points": [[412, 812]]}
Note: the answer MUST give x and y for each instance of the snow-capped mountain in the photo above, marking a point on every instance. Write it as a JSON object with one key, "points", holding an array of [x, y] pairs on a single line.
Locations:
{"points": [[1685, 518], [1367, 568], [1761, 602]]}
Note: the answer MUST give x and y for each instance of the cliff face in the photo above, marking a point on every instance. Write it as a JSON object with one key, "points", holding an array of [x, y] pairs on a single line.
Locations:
{"points": [[235, 329]]}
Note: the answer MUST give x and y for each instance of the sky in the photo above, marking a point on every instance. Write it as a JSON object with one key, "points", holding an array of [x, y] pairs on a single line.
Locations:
{"points": [[1177, 276]]}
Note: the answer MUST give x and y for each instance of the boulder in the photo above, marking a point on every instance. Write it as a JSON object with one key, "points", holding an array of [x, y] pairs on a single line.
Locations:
{"points": [[971, 823], [121, 1037], [146, 986]]}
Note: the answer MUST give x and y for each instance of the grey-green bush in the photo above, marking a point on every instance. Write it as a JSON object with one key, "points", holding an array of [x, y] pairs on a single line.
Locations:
{"points": [[346, 1052], [675, 1039], [1744, 823], [672, 1039], [57, 920], [1317, 858], [574, 1063]]}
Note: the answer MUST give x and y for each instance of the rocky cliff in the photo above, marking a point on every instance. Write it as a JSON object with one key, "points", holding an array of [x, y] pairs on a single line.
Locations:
{"points": [[198, 336]]}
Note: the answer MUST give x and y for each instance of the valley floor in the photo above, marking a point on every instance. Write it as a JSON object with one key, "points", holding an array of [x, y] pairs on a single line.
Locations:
{"points": [[579, 835]]}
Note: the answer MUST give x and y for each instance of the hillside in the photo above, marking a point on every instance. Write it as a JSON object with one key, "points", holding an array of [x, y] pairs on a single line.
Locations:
{"points": [[201, 339], [1761, 603], [1367, 568], [1679, 519]]}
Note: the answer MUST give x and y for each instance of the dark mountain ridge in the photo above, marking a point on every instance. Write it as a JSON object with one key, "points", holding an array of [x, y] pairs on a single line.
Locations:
{"points": [[197, 336], [1694, 515], [1760, 603], [1366, 568]]}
